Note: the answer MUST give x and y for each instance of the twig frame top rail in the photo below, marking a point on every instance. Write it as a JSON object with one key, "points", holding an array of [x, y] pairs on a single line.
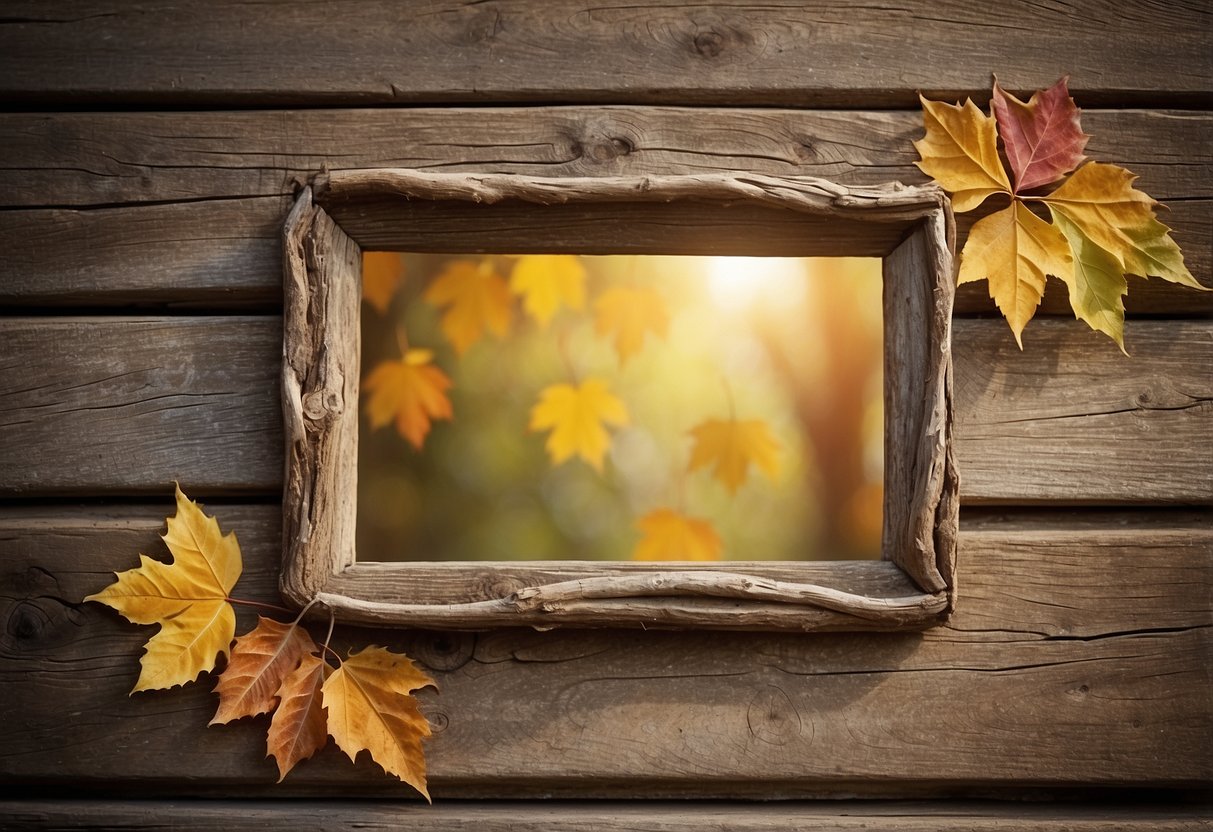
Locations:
{"points": [[344, 212]]}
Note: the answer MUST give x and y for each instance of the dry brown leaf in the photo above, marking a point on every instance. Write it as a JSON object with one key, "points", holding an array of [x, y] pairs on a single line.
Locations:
{"points": [[370, 708], [299, 727], [260, 660]]}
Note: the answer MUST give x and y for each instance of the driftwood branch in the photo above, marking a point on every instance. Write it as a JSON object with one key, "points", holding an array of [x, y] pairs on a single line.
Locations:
{"points": [[804, 194]]}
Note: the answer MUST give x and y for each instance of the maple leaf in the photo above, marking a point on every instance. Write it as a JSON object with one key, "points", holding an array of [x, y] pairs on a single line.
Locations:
{"points": [[1100, 200], [476, 299], [1015, 250], [576, 416], [731, 445], [1097, 283], [370, 708], [630, 312], [960, 152], [382, 274], [259, 662], [299, 727], [669, 535], [1042, 138], [410, 391], [547, 282], [187, 598]]}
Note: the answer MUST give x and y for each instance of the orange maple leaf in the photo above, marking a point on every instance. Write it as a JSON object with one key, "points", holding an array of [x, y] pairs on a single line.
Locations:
{"points": [[299, 727], [670, 535], [730, 446], [412, 392], [260, 661], [631, 312], [382, 274], [475, 298], [370, 707]]}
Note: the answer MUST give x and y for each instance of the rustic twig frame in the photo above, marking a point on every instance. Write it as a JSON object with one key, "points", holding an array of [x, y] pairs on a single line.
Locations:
{"points": [[342, 213]]}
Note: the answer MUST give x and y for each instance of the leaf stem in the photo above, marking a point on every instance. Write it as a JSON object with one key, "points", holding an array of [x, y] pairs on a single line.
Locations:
{"points": [[402, 340], [562, 346], [329, 637]]}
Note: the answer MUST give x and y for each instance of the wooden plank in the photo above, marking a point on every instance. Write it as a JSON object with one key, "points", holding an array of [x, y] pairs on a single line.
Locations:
{"points": [[683, 816], [136, 403], [114, 253], [791, 53], [90, 159], [215, 254], [1092, 671], [122, 406], [1070, 420]]}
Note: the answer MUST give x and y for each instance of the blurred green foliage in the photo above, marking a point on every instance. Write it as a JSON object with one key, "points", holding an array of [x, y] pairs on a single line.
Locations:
{"points": [[794, 342]]}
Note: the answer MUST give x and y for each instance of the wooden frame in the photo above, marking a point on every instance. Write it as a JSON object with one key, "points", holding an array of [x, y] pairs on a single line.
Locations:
{"points": [[344, 212]]}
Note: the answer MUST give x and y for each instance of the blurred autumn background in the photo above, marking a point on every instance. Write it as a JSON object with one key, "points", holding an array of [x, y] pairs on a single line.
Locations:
{"points": [[617, 407]]}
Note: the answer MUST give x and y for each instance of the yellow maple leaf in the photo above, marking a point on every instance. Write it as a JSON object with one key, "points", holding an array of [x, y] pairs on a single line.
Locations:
{"points": [[1097, 283], [547, 282], [411, 392], [475, 298], [370, 708], [960, 152], [382, 274], [1015, 251], [576, 416], [670, 535], [260, 661], [187, 598], [630, 312], [730, 446], [299, 727], [1100, 200]]}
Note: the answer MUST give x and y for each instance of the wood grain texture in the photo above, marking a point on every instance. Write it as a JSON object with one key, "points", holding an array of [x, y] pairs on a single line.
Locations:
{"points": [[1032, 425], [221, 176], [128, 405], [514, 816], [783, 52], [321, 358], [122, 406], [1093, 671]]}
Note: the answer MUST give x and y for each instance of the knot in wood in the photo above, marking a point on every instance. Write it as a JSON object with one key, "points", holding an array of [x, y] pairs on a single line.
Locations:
{"points": [[709, 44], [445, 651], [772, 717], [26, 621], [322, 405]]}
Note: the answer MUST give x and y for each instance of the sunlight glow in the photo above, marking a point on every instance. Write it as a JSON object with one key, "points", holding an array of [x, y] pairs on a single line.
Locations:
{"points": [[737, 282]]}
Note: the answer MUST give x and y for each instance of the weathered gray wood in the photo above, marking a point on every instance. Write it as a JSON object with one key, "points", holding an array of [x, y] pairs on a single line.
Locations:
{"points": [[790, 53], [222, 253], [321, 359], [1092, 671], [322, 343], [113, 406], [832, 816], [213, 159], [128, 405], [1071, 420], [919, 533]]}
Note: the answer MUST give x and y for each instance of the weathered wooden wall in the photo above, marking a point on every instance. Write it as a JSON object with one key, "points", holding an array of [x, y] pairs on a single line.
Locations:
{"points": [[150, 152]]}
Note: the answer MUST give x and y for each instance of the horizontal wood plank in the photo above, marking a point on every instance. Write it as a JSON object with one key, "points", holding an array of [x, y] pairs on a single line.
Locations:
{"points": [[513, 816], [122, 406], [136, 403], [783, 52], [1077, 656], [220, 183]]}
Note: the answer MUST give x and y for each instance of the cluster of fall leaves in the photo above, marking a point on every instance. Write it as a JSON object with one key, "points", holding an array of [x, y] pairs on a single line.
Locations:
{"points": [[1102, 227], [578, 415], [365, 702]]}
